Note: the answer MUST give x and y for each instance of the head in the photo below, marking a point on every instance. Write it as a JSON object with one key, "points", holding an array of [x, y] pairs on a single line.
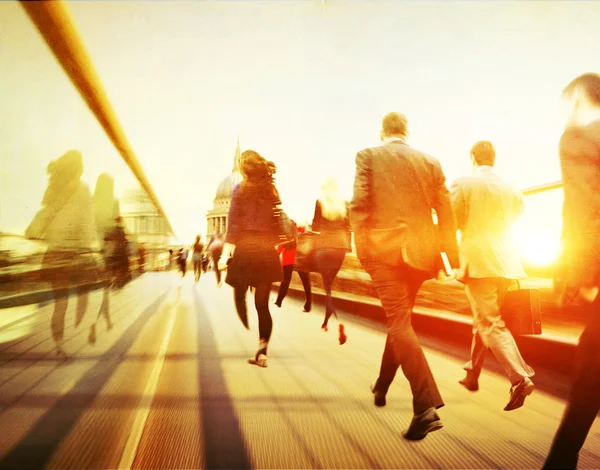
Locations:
{"points": [[483, 153], [333, 205], [69, 167], [105, 187], [581, 99], [255, 168], [394, 125], [198, 238]]}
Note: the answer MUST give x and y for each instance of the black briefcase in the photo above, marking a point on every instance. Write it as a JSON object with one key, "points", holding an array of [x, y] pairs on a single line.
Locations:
{"points": [[521, 311]]}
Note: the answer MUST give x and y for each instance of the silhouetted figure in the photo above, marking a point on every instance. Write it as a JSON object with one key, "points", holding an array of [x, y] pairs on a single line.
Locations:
{"points": [[106, 212], [66, 223], [396, 188], [182, 256], [331, 221], [252, 235], [485, 207], [215, 248], [197, 253], [580, 164]]}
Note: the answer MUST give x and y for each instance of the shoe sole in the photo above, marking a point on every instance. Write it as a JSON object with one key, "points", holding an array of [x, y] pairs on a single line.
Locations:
{"points": [[520, 401], [432, 427]]}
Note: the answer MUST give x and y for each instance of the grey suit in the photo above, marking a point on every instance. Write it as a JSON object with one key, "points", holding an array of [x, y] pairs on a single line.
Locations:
{"points": [[398, 186], [485, 207]]}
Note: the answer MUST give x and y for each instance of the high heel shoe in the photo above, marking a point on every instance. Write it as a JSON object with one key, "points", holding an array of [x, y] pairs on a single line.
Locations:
{"points": [[324, 328], [342, 337], [92, 336]]}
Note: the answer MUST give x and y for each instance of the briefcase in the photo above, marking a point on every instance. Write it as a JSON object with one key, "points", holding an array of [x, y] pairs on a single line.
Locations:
{"points": [[521, 311]]}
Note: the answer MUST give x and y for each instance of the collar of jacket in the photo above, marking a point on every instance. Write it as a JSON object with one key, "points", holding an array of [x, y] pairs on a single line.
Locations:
{"points": [[487, 169], [392, 140]]}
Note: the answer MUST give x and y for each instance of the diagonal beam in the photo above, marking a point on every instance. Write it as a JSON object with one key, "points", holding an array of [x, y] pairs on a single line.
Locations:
{"points": [[54, 22]]}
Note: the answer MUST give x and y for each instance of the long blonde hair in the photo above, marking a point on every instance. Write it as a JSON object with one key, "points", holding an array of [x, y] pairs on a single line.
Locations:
{"points": [[333, 206]]}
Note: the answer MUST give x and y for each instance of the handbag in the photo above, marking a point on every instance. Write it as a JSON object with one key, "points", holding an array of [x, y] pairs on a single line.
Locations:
{"points": [[521, 311], [306, 247]]}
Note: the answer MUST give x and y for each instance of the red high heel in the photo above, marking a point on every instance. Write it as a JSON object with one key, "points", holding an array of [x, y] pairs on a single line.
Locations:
{"points": [[342, 338]]}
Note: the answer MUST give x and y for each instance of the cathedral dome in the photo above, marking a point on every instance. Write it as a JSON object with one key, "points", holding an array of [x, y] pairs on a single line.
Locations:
{"points": [[225, 189]]}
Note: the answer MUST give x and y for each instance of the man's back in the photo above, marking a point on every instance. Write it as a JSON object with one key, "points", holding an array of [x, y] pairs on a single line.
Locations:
{"points": [[398, 186], [485, 207]]}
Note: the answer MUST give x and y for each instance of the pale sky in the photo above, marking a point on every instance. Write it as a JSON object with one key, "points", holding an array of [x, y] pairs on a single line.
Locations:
{"points": [[304, 85]]}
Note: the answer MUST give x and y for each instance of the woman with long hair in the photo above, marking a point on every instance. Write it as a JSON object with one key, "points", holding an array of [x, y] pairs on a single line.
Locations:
{"points": [[332, 222], [252, 235], [66, 223]]}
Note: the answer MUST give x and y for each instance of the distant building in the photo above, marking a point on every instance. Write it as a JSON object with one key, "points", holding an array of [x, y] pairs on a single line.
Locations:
{"points": [[217, 217], [145, 226]]}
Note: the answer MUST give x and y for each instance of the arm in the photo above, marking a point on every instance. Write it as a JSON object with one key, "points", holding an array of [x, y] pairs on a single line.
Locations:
{"points": [[360, 206], [446, 222], [459, 206]]}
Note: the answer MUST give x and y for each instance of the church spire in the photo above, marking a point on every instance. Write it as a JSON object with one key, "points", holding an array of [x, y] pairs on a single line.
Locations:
{"points": [[238, 157]]}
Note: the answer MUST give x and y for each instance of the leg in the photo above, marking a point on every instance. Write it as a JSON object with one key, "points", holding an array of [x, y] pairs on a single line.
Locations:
{"points": [[285, 284], [584, 401], [397, 289], [82, 303], [265, 322], [486, 296], [328, 278], [305, 278]]}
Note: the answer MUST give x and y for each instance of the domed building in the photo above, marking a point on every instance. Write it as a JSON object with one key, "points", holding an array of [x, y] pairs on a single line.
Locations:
{"points": [[216, 219]]}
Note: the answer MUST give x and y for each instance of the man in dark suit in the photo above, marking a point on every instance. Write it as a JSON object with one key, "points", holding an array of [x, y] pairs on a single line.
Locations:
{"points": [[396, 188], [580, 166]]}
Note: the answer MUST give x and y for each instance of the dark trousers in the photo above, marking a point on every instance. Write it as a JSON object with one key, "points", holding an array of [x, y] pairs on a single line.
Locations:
{"points": [[261, 302], [397, 289], [328, 262], [216, 255], [584, 399], [285, 285]]}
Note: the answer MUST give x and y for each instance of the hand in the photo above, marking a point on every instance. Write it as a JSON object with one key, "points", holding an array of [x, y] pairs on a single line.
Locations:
{"points": [[222, 265]]}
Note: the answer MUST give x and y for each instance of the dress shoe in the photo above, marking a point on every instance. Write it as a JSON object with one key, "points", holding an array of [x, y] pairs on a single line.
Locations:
{"points": [[469, 382], [379, 396], [342, 336], [422, 425], [518, 393]]}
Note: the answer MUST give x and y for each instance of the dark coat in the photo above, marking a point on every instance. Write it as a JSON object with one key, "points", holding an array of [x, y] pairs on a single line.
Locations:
{"points": [[397, 187]]}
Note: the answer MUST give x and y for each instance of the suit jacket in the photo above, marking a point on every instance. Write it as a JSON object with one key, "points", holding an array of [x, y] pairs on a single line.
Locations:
{"points": [[580, 167], [397, 187], [334, 233], [485, 207]]}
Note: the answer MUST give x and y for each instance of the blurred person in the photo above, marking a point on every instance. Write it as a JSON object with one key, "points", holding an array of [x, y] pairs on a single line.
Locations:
{"points": [[182, 256], [252, 235], [396, 188], [579, 150], [287, 252], [169, 265], [332, 222], [485, 207], [66, 223], [106, 212], [215, 249], [197, 253]]}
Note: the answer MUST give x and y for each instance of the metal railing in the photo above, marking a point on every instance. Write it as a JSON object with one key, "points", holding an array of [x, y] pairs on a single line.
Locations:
{"points": [[54, 22]]}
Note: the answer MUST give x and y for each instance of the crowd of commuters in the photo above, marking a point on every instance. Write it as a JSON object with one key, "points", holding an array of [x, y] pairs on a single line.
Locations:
{"points": [[397, 189]]}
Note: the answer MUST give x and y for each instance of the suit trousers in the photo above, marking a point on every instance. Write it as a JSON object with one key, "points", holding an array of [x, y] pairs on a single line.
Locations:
{"points": [[584, 400], [489, 330], [397, 288]]}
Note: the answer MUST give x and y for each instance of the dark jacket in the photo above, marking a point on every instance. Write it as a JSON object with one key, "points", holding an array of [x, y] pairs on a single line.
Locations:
{"points": [[334, 233], [397, 186], [251, 216], [580, 167]]}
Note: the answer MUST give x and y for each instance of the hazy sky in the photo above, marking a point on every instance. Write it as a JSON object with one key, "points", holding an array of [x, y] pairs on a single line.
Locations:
{"points": [[304, 85]]}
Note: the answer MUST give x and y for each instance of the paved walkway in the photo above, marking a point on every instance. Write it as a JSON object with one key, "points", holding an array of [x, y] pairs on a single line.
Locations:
{"points": [[169, 387]]}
